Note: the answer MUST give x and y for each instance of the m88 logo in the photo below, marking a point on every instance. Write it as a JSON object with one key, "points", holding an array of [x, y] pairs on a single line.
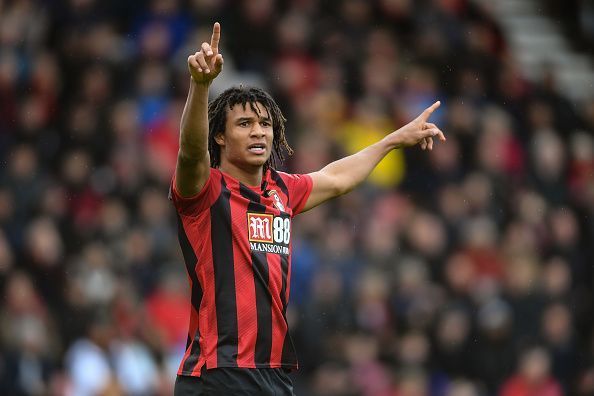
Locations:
{"points": [[269, 233]]}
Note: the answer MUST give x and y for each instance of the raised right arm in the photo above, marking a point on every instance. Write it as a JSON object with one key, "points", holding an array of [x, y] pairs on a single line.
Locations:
{"points": [[193, 161]]}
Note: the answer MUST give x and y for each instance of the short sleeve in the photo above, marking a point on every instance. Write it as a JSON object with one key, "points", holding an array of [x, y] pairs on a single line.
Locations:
{"points": [[192, 206], [299, 187]]}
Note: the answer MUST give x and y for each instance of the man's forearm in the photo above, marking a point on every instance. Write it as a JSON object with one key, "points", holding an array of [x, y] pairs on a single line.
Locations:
{"points": [[193, 140], [343, 175], [351, 171]]}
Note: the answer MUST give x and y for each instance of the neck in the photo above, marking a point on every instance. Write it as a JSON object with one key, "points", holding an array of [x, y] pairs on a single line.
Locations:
{"points": [[251, 176]]}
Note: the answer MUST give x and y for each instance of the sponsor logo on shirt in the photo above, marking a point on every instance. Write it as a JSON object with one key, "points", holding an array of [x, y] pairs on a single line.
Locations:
{"points": [[269, 233]]}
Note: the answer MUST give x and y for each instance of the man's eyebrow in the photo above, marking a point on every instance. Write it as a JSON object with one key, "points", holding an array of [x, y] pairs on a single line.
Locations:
{"points": [[243, 119]]}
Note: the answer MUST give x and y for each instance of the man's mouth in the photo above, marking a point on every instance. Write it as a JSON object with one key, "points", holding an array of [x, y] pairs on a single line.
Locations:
{"points": [[257, 148]]}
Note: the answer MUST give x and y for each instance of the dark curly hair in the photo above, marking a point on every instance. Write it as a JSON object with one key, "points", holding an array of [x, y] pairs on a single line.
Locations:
{"points": [[217, 118]]}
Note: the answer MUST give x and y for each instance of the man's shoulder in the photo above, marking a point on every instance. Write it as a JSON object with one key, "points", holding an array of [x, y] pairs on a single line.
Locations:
{"points": [[286, 177], [289, 182], [279, 178], [275, 175]]}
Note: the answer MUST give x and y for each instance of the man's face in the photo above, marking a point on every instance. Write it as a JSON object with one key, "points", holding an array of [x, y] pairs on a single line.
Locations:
{"points": [[247, 140]]}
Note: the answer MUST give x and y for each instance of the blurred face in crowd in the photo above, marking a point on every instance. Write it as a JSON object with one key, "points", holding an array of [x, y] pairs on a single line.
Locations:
{"points": [[452, 329], [413, 384], [462, 388], [557, 324], [535, 365], [247, 140]]}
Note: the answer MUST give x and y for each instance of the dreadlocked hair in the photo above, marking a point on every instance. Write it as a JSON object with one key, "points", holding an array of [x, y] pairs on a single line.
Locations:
{"points": [[217, 118]]}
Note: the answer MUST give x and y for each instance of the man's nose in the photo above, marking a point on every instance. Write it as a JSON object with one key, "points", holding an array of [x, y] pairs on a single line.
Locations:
{"points": [[257, 129]]}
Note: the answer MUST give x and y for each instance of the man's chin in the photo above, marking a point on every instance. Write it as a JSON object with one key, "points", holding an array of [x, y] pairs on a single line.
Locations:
{"points": [[253, 164], [258, 161]]}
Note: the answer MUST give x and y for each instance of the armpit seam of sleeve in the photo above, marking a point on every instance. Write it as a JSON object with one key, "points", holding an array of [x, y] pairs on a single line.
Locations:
{"points": [[179, 200]]}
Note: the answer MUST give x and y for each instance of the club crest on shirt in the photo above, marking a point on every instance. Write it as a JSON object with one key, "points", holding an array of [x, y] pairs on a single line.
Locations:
{"points": [[277, 201], [269, 233]]}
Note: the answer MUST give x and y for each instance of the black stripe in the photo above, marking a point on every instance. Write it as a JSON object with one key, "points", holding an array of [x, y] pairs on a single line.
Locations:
{"points": [[224, 278], [263, 297], [254, 205], [281, 183], [285, 271], [191, 260], [288, 357], [194, 354], [288, 354]]}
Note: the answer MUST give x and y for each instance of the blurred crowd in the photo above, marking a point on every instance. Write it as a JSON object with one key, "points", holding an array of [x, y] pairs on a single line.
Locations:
{"points": [[465, 271]]}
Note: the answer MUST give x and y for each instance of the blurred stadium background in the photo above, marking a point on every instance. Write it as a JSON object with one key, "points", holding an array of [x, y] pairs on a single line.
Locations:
{"points": [[466, 271]]}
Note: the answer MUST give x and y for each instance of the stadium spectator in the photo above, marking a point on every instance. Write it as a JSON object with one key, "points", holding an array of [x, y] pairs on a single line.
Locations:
{"points": [[90, 95]]}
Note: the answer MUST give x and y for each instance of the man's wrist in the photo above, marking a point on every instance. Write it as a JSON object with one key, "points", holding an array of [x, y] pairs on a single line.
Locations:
{"points": [[203, 84], [393, 141]]}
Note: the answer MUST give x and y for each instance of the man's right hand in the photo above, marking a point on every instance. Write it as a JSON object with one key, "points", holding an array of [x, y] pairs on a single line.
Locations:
{"points": [[207, 63]]}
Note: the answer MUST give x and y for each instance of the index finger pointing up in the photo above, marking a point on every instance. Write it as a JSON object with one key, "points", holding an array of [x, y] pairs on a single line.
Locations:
{"points": [[216, 37], [429, 110]]}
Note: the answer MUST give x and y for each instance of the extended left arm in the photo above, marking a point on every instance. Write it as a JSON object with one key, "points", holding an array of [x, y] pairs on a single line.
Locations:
{"points": [[343, 175]]}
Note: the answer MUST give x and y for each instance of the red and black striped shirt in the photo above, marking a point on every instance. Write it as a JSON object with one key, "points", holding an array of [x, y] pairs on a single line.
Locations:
{"points": [[236, 243]]}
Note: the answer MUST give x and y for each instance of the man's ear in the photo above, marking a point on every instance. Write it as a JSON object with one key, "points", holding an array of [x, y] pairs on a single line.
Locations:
{"points": [[220, 138]]}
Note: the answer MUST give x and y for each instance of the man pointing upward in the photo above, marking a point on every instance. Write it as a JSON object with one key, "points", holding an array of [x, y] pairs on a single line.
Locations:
{"points": [[235, 214]]}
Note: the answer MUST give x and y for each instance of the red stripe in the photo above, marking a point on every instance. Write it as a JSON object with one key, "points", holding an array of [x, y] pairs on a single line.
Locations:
{"points": [[208, 312], [195, 325], [205, 323], [197, 226], [191, 332], [193, 317], [279, 326], [288, 287], [245, 291]]}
